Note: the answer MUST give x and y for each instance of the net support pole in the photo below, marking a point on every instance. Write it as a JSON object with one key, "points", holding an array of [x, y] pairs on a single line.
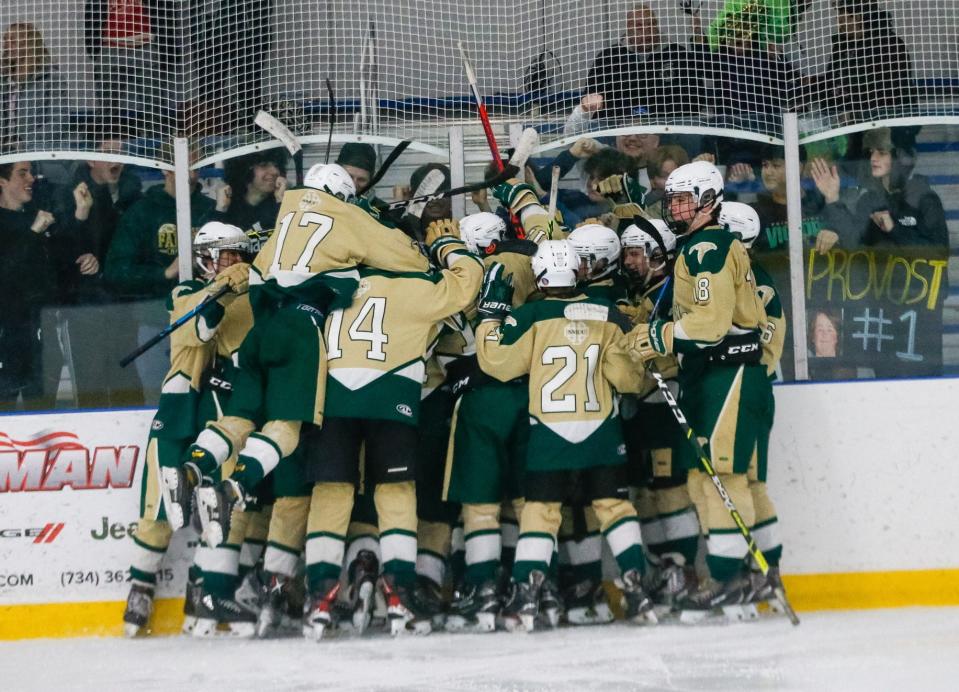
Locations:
{"points": [[794, 219], [457, 169], [184, 230]]}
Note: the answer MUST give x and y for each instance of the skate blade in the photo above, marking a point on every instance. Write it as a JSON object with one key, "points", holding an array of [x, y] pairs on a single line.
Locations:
{"points": [[741, 613], [211, 629], [484, 622], [189, 622], [662, 611], [598, 615], [362, 614], [694, 617], [131, 631], [267, 622], [314, 632], [400, 626], [648, 617], [550, 617], [518, 624]]}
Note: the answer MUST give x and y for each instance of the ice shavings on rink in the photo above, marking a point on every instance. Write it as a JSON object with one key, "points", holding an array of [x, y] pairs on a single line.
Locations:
{"points": [[914, 649]]}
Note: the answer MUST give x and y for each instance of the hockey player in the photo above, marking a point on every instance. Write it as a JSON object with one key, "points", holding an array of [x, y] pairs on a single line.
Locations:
{"points": [[570, 346], [716, 325], [376, 352], [190, 396], [580, 540], [488, 441], [306, 269], [742, 221], [667, 515]]}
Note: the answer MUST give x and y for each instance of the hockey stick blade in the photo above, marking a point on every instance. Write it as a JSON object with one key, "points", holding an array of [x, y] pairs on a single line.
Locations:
{"points": [[395, 154], [500, 177], [289, 140], [524, 148], [279, 131], [430, 184]]}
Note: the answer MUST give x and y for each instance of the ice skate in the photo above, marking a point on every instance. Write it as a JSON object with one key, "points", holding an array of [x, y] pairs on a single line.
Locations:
{"points": [[587, 604], [253, 590], [320, 616], [274, 605], [520, 611], [429, 596], [714, 597], [191, 600], [668, 582], [177, 485], [474, 608], [363, 573], [550, 604], [222, 617], [405, 614], [637, 604], [136, 616], [215, 505]]}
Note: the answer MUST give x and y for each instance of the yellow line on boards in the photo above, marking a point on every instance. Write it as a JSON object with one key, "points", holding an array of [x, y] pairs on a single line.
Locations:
{"points": [[807, 592]]}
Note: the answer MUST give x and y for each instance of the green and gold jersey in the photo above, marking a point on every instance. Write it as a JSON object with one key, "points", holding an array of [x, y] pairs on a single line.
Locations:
{"points": [[455, 342], [216, 333], [715, 293], [656, 302], [515, 256], [377, 347], [774, 331], [571, 350], [612, 288], [318, 244]]}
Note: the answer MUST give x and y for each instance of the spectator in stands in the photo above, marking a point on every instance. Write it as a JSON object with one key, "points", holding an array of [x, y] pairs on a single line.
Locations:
{"points": [[664, 161], [751, 81], [121, 40], [897, 206], [870, 72], [359, 160], [31, 91], [38, 249], [253, 189], [577, 205], [640, 76], [142, 266], [99, 193]]}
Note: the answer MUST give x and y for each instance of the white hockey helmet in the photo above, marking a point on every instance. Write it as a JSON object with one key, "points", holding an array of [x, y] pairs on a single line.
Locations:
{"points": [[555, 264], [212, 238], [741, 220], [701, 179], [480, 230], [331, 178], [599, 246], [634, 236]]}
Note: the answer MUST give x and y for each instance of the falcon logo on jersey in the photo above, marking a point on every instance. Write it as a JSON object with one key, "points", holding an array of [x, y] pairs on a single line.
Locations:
{"points": [[700, 250], [404, 410], [361, 288]]}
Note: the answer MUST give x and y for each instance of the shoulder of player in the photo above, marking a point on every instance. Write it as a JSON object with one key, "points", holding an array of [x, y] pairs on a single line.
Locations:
{"points": [[432, 277], [186, 288], [708, 249]]}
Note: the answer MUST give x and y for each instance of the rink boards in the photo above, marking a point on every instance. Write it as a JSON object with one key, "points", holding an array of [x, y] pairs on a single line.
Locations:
{"points": [[864, 476]]}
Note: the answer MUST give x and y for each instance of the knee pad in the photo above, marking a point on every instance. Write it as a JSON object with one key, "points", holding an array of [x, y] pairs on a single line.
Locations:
{"points": [[762, 505], [481, 517], [396, 506], [284, 433], [287, 525], [609, 511], [330, 507], [737, 487], [154, 534], [541, 517]]}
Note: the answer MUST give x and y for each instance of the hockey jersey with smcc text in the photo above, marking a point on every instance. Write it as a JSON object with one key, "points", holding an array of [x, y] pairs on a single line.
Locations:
{"points": [[571, 350]]}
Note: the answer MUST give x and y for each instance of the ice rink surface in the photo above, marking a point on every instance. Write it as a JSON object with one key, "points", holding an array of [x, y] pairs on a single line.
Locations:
{"points": [[913, 649]]}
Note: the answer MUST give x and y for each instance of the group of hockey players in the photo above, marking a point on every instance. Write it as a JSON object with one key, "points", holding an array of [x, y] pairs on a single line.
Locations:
{"points": [[452, 429]]}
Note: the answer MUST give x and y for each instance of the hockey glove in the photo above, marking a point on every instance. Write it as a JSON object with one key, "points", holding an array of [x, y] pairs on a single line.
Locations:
{"points": [[496, 295], [649, 341], [236, 276], [515, 195], [622, 188], [444, 250], [441, 228]]}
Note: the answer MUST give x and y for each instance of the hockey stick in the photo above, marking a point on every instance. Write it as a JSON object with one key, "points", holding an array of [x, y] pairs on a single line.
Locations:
{"points": [[289, 140], [166, 331], [707, 465], [395, 154], [329, 137], [553, 195], [487, 127], [500, 177]]}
